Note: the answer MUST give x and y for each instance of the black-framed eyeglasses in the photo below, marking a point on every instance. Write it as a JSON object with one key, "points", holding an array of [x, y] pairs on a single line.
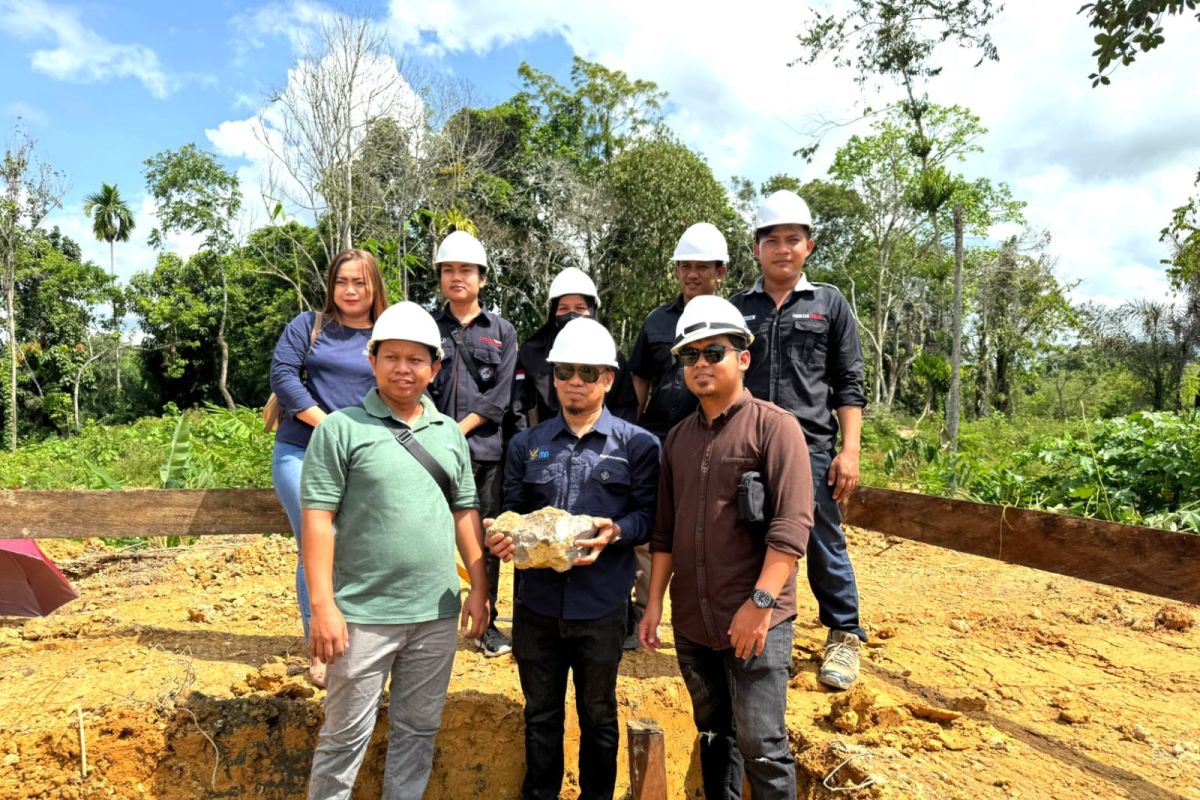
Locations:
{"points": [[588, 373], [713, 354]]}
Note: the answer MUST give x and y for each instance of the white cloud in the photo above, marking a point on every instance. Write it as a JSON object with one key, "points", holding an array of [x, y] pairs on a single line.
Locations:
{"points": [[296, 21], [79, 54], [30, 114]]}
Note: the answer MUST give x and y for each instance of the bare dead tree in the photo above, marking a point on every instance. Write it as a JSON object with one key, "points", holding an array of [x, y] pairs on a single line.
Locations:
{"points": [[315, 127]]}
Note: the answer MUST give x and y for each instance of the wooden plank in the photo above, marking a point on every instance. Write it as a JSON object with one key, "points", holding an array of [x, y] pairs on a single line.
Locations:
{"points": [[647, 760], [139, 512], [1128, 556]]}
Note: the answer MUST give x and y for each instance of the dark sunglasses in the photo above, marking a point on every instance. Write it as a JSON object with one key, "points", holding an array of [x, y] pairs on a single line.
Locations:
{"points": [[588, 373], [713, 354]]}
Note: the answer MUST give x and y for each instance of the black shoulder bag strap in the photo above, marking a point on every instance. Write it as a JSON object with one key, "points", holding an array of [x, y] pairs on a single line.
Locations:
{"points": [[312, 341], [465, 354], [404, 436]]}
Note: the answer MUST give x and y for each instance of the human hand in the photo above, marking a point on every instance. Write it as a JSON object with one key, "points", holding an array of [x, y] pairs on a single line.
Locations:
{"points": [[606, 533], [328, 635], [648, 627], [843, 474], [748, 632], [475, 617], [500, 545]]}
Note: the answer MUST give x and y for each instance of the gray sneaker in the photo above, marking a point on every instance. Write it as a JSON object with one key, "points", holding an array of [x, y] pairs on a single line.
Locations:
{"points": [[839, 664], [493, 643]]}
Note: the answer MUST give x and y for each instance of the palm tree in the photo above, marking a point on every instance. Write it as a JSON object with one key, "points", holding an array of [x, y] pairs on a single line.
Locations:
{"points": [[112, 222]]}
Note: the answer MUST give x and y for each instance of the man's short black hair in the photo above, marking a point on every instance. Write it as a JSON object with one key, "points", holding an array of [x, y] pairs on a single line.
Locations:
{"points": [[433, 356], [762, 232]]}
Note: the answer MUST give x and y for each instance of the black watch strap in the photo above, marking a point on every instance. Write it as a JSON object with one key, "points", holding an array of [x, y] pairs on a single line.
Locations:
{"points": [[762, 598]]}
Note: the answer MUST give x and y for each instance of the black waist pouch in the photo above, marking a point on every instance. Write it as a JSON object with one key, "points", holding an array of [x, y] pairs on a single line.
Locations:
{"points": [[752, 500]]}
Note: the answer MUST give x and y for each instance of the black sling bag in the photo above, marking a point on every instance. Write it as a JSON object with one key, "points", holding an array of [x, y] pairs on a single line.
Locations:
{"points": [[404, 436]]}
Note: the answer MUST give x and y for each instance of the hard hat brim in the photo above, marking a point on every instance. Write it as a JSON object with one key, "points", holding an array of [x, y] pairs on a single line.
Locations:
{"points": [[706, 330]]}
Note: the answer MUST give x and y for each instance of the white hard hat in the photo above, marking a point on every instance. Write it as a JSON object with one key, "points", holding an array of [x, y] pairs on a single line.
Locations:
{"points": [[407, 321], [583, 341], [709, 315], [702, 242], [463, 248], [573, 280], [782, 208]]}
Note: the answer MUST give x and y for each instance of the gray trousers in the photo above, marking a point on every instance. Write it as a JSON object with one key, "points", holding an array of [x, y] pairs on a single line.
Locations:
{"points": [[419, 658]]}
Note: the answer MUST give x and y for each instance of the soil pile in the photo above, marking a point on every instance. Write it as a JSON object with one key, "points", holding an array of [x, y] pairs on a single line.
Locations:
{"points": [[184, 669]]}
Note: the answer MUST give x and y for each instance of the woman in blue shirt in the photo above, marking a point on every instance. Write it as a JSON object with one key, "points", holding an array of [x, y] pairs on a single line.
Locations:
{"points": [[315, 377]]}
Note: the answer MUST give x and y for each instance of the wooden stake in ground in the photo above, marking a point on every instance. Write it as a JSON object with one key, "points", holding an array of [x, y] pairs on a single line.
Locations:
{"points": [[82, 744], [647, 760]]}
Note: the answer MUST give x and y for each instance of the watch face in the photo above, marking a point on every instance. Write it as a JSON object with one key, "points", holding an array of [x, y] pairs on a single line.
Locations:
{"points": [[762, 599]]}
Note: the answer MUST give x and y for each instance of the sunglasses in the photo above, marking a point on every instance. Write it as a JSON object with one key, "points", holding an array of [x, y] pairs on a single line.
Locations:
{"points": [[713, 354], [588, 373]]}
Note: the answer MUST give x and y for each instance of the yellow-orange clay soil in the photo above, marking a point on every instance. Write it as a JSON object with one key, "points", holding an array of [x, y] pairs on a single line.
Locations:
{"points": [[982, 680]]}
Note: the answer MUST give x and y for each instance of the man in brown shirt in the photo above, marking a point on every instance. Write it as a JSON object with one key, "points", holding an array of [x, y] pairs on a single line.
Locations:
{"points": [[733, 583]]}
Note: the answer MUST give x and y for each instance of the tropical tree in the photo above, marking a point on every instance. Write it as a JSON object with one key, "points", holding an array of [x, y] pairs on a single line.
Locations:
{"points": [[196, 195], [112, 222]]}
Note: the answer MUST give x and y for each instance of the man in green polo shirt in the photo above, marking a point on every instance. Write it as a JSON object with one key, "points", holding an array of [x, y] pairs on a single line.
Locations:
{"points": [[385, 590]]}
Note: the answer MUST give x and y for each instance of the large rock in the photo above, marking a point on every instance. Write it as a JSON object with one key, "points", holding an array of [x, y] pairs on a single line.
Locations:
{"points": [[545, 538]]}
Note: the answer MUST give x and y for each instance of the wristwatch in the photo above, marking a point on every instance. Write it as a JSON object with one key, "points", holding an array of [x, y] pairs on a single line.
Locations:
{"points": [[762, 598]]}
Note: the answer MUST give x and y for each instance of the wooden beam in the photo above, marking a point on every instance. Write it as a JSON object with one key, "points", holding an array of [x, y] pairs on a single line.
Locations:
{"points": [[647, 760], [139, 512], [1128, 556]]}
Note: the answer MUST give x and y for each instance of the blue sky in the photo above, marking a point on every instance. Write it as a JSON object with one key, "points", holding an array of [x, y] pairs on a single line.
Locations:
{"points": [[103, 85]]}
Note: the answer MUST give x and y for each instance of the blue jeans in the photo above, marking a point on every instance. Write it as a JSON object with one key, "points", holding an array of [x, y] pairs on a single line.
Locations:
{"points": [[739, 710], [830, 573], [286, 463], [545, 649]]}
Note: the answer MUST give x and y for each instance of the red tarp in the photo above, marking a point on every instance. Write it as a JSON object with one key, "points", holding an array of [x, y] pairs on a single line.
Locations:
{"points": [[30, 584]]}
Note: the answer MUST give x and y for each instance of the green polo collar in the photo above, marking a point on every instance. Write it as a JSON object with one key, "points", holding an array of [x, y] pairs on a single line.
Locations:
{"points": [[376, 407]]}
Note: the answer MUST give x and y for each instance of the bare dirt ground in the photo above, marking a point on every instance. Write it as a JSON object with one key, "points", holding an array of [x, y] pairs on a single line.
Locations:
{"points": [[982, 681]]}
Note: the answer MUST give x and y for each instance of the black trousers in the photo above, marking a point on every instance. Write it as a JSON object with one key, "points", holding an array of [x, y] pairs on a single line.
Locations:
{"points": [[546, 648]]}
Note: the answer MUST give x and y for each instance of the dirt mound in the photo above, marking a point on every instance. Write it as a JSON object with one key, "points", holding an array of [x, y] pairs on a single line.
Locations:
{"points": [[185, 671]]}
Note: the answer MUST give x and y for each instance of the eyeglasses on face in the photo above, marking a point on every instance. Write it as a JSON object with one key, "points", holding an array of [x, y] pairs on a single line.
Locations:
{"points": [[588, 373], [713, 354]]}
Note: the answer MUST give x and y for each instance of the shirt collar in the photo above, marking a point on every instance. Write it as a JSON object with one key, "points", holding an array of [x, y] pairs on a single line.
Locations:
{"points": [[376, 407], [603, 426], [802, 285], [723, 418], [676, 304], [485, 317]]}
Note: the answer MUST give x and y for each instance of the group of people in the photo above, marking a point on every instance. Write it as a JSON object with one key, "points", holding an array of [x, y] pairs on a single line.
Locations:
{"points": [[709, 463]]}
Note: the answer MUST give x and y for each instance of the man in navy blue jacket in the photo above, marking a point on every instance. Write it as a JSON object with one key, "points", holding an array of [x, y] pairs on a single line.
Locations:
{"points": [[583, 460]]}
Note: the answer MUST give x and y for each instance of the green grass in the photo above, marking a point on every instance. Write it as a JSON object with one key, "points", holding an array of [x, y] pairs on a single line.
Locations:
{"points": [[227, 450]]}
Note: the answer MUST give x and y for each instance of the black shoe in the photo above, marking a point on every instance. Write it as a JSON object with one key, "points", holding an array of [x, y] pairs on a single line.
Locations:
{"points": [[493, 643]]}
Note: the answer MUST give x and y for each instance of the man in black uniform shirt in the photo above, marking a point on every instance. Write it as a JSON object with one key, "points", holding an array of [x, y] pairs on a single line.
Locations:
{"points": [[806, 358]]}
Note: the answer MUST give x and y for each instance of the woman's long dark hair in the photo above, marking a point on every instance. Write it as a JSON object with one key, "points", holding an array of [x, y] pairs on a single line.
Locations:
{"points": [[379, 300]]}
